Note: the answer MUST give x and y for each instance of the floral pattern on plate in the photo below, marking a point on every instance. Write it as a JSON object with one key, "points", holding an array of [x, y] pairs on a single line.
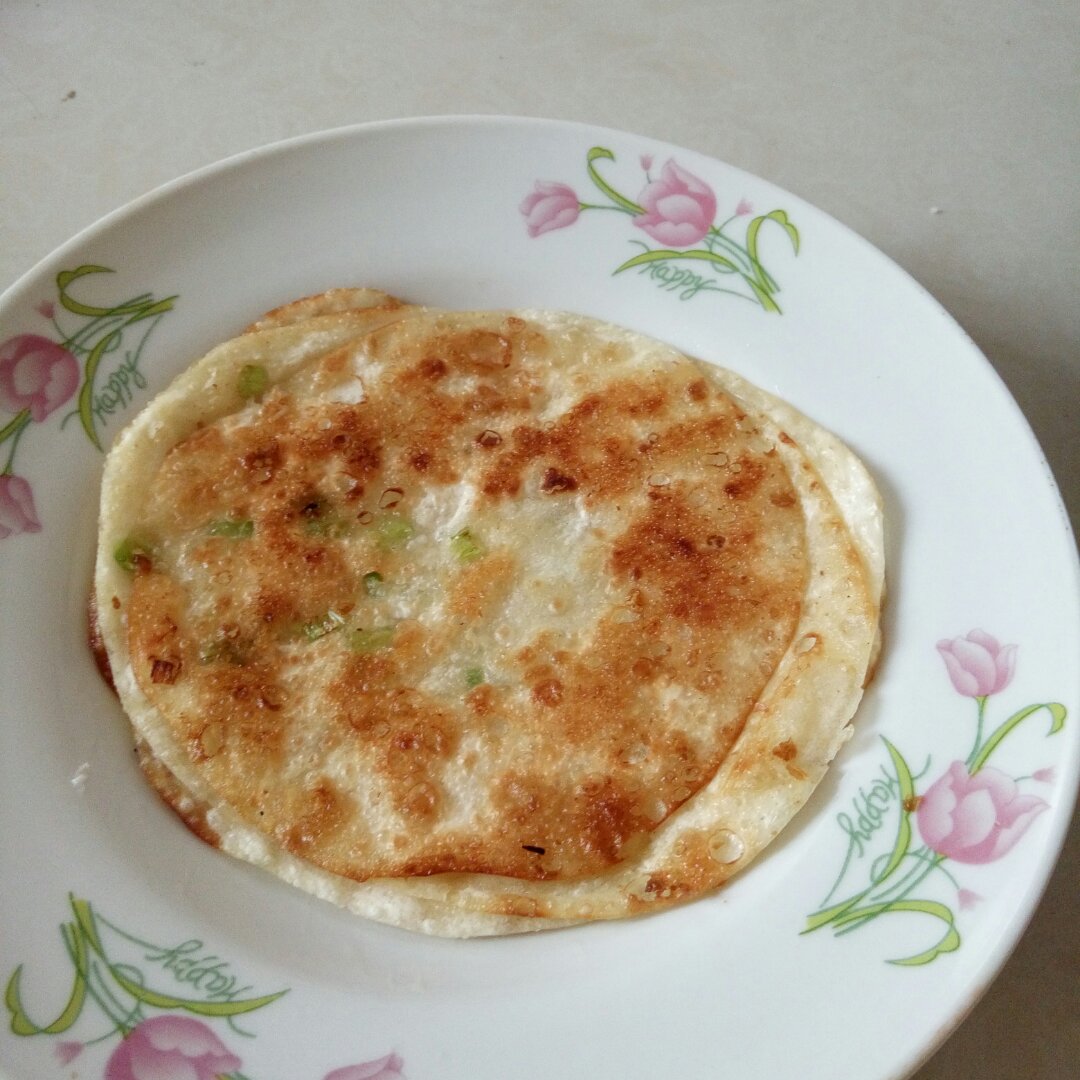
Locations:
{"points": [[678, 211], [39, 375], [971, 813], [165, 1033]]}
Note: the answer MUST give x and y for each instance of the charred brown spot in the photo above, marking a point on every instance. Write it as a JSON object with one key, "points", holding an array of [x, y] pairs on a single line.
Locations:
{"points": [[433, 368], [420, 460], [698, 390], [555, 481], [163, 671], [786, 751], [745, 482], [607, 818], [488, 439], [548, 692], [535, 848], [324, 812], [645, 669], [262, 462]]}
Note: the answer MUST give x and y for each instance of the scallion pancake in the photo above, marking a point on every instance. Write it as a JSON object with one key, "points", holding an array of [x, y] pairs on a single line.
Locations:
{"points": [[478, 621]]}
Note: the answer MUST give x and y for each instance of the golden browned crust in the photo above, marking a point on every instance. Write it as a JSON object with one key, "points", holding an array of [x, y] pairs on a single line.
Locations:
{"points": [[584, 743], [483, 622]]}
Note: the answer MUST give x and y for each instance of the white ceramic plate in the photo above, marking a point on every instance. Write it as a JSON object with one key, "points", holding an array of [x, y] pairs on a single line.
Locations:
{"points": [[953, 795]]}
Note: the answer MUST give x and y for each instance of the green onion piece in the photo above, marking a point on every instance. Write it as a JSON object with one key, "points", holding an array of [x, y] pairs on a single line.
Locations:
{"points": [[393, 530], [232, 528], [474, 676], [319, 628], [221, 649], [367, 641], [373, 583], [465, 547], [128, 552], [252, 380], [330, 527]]}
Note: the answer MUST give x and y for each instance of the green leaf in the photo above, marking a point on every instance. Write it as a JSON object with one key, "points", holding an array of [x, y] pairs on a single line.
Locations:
{"points": [[781, 218], [828, 915], [765, 283], [192, 1005], [723, 265], [87, 926], [148, 311], [949, 942], [21, 1024], [601, 153], [373, 583], [86, 393], [764, 298], [1057, 712], [906, 795], [842, 913], [66, 277], [474, 676]]}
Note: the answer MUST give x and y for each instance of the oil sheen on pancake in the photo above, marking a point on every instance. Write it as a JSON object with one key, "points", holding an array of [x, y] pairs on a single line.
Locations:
{"points": [[479, 621]]}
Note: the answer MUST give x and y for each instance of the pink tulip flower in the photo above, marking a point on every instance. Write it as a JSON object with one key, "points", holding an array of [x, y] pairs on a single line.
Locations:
{"points": [[549, 206], [171, 1048], [36, 374], [975, 819], [977, 664], [679, 208], [384, 1068], [17, 513], [743, 208]]}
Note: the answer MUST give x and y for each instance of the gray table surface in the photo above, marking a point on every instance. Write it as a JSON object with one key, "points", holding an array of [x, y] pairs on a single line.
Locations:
{"points": [[874, 112]]}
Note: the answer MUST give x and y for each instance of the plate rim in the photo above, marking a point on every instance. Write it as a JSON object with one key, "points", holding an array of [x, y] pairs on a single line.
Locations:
{"points": [[992, 963]]}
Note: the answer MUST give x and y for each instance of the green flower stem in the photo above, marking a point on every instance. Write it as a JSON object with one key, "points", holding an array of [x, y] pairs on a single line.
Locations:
{"points": [[86, 969], [123, 1019], [603, 206], [102, 324], [595, 154], [717, 235], [1057, 712], [13, 430], [857, 918], [980, 701]]}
